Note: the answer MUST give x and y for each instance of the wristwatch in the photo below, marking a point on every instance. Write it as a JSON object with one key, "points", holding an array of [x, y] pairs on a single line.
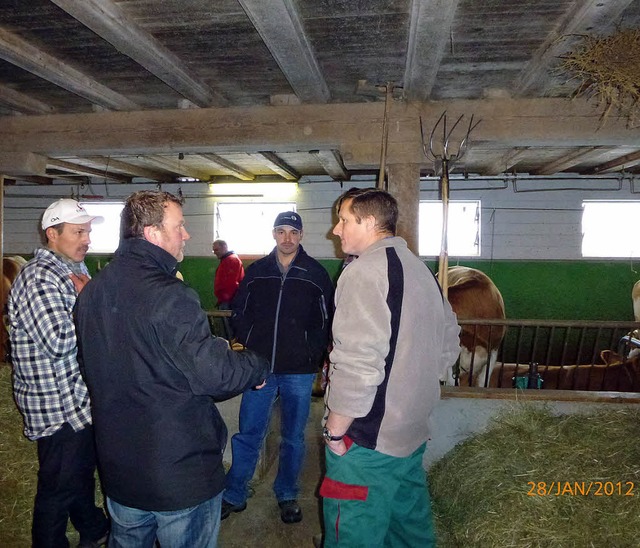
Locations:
{"points": [[326, 434]]}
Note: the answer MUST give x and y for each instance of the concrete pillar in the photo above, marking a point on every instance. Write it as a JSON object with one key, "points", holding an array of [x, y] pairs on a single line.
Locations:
{"points": [[404, 185]]}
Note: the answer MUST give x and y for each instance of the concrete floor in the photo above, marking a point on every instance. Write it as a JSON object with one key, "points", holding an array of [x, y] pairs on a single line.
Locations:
{"points": [[259, 526]]}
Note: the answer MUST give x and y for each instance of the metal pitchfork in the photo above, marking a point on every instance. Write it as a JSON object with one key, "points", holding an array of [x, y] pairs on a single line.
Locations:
{"points": [[445, 158]]}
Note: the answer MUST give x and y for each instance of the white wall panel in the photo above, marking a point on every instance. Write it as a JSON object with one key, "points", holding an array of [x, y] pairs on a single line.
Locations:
{"points": [[515, 225]]}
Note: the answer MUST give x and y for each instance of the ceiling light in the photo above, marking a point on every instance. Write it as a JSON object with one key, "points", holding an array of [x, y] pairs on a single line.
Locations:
{"points": [[270, 191]]}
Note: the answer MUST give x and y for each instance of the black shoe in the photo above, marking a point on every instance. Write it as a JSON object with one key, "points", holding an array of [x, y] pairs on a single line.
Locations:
{"points": [[290, 511], [228, 507]]}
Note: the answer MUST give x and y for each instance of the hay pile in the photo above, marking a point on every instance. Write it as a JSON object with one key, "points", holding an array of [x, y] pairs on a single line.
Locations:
{"points": [[609, 70], [18, 479], [18, 474], [480, 489]]}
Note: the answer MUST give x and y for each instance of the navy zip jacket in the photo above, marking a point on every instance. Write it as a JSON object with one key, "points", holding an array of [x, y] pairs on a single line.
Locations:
{"points": [[285, 318], [153, 371]]}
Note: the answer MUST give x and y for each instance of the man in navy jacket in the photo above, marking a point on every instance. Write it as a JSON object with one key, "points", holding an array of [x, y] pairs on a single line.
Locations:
{"points": [[282, 311], [154, 371]]}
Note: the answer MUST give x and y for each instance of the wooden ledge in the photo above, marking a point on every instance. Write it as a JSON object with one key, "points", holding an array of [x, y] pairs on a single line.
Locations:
{"points": [[449, 392]]}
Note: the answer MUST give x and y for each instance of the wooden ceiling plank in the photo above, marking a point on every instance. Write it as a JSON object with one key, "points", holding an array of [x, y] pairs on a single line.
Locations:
{"points": [[617, 164], [38, 180], [585, 17], [131, 169], [568, 160], [178, 167], [429, 35], [17, 51], [281, 29], [83, 170], [22, 163], [229, 167], [278, 165], [345, 127], [22, 102], [331, 161], [506, 162], [110, 22]]}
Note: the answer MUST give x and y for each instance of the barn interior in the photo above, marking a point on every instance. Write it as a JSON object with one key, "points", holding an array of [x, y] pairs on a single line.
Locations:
{"points": [[99, 98]]}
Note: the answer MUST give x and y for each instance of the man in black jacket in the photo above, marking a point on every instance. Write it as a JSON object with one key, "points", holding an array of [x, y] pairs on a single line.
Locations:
{"points": [[282, 311], [153, 371]]}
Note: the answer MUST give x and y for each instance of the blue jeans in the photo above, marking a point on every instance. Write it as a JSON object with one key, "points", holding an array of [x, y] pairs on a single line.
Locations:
{"points": [[255, 414], [195, 527]]}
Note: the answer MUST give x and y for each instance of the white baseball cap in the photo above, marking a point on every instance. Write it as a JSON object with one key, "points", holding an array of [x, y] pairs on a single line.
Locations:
{"points": [[66, 210]]}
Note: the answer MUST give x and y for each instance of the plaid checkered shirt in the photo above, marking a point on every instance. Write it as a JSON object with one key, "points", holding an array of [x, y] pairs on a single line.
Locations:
{"points": [[47, 385]]}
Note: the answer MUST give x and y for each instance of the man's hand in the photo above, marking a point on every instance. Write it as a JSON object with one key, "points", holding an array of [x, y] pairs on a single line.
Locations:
{"points": [[236, 346], [79, 281], [339, 447], [239, 347], [338, 425]]}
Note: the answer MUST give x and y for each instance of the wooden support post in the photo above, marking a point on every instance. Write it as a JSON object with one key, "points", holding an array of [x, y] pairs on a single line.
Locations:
{"points": [[404, 185]]}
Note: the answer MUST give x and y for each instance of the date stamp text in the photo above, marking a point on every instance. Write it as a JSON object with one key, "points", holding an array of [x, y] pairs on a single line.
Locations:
{"points": [[581, 488]]}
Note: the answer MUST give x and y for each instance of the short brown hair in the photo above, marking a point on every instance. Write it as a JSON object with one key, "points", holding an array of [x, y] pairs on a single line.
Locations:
{"points": [[59, 228], [375, 202], [144, 208]]}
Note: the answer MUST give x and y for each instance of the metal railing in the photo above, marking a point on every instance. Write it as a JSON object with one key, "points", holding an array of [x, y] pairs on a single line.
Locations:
{"points": [[219, 323], [552, 354], [563, 354]]}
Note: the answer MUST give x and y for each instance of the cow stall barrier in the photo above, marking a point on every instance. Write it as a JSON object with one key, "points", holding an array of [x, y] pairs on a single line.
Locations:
{"points": [[545, 354], [219, 323], [558, 354]]}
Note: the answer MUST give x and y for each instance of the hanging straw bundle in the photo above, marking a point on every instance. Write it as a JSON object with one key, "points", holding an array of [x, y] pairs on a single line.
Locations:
{"points": [[609, 70]]}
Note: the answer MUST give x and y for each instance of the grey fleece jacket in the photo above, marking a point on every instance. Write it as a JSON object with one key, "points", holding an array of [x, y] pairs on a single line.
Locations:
{"points": [[394, 337]]}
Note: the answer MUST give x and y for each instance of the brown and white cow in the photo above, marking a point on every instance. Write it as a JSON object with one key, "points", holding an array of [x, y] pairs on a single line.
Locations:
{"points": [[10, 268], [473, 295]]}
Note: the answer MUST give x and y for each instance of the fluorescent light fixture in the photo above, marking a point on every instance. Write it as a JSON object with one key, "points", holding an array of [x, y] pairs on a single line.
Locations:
{"points": [[269, 191]]}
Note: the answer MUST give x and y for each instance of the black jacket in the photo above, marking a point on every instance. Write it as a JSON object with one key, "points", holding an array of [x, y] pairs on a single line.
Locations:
{"points": [[285, 318], [153, 371]]}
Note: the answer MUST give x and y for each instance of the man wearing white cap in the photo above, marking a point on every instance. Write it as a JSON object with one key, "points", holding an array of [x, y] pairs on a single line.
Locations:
{"points": [[47, 385]]}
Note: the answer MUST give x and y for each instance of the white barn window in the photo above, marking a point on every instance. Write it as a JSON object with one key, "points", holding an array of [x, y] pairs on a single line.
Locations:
{"points": [[610, 229], [244, 213], [463, 233], [247, 227], [106, 235]]}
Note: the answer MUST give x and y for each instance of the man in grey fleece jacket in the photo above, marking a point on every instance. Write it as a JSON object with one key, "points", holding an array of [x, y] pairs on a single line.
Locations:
{"points": [[394, 337]]}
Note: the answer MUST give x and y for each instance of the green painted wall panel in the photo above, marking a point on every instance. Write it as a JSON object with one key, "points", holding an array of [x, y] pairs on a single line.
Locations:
{"points": [[550, 290], [563, 290]]}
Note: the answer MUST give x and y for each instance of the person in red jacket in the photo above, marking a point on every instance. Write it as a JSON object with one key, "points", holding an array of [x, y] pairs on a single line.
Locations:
{"points": [[229, 274]]}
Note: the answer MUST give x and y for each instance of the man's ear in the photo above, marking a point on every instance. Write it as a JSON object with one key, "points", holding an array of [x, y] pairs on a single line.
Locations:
{"points": [[51, 234], [151, 234], [370, 222]]}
